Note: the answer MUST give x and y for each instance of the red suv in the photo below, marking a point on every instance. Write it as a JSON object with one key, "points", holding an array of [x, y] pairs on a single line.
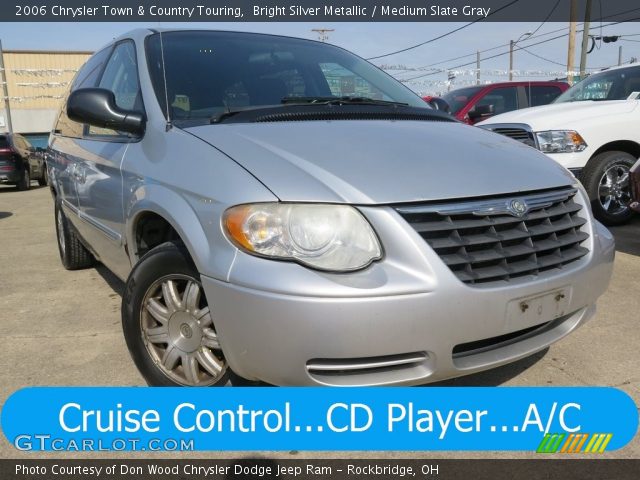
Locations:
{"points": [[474, 104]]}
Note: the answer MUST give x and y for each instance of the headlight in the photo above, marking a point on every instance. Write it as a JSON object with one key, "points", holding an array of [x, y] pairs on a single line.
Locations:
{"points": [[560, 141], [326, 237]]}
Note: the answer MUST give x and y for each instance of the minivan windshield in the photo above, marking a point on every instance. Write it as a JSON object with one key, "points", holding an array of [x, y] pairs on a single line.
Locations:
{"points": [[210, 73], [615, 84]]}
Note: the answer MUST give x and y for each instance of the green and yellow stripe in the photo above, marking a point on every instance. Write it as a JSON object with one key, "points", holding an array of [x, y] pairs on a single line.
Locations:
{"points": [[574, 443]]}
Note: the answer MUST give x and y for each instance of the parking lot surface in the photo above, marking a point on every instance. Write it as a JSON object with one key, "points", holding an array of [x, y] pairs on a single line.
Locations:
{"points": [[63, 328]]}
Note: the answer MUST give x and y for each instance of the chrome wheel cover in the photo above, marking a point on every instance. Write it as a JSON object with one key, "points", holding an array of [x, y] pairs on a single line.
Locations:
{"points": [[613, 191], [178, 332]]}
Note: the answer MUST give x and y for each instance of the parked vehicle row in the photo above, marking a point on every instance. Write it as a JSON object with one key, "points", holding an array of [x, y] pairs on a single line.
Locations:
{"points": [[591, 129], [273, 220], [20, 163]]}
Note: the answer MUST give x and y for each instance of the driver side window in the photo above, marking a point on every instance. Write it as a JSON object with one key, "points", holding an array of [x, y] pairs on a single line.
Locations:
{"points": [[121, 77]]}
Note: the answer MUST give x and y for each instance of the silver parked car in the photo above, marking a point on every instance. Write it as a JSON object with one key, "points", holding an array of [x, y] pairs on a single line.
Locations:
{"points": [[282, 209]]}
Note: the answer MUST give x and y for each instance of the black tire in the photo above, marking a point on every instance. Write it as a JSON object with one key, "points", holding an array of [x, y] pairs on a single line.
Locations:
{"points": [[25, 181], [73, 254], [595, 172], [165, 262], [44, 178]]}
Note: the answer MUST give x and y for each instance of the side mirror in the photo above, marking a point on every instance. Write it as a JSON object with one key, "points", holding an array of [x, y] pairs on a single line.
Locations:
{"points": [[481, 111], [97, 107], [440, 104]]}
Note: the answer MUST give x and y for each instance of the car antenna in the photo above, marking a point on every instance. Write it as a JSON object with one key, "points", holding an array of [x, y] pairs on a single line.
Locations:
{"points": [[166, 92]]}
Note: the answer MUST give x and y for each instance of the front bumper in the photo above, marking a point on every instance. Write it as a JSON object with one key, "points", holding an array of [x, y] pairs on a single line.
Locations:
{"points": [[398, 322]]}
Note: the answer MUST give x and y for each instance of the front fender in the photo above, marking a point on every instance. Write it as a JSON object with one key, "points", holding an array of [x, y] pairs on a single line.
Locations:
{"points": [[185, 214]]}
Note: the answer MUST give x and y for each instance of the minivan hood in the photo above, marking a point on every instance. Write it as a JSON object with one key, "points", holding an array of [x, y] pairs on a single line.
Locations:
{"points": [[382, 162], [563, 115]]}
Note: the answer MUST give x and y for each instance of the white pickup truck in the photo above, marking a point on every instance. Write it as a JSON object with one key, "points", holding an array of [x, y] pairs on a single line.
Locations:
{"points": [[593, 129]]}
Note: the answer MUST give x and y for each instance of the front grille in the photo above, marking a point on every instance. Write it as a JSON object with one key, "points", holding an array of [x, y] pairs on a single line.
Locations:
{"points": [[492, 240], [520, 134]]}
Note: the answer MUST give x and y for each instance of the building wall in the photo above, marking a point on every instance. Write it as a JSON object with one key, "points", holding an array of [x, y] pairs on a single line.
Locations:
{"points": [[37, 81]]}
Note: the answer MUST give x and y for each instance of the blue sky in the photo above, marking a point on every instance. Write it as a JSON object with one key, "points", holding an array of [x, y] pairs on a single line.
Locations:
{"points": [[370, 39]]}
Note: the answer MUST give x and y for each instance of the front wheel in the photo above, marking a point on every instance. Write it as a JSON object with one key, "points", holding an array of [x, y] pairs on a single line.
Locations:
{"points": [[44, 177], [167, 323], [606, 179], [25, 182]]}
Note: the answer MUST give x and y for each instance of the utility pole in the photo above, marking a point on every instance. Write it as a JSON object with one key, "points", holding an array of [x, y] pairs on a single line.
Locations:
{"points": [[478, 67], [585, 39], [5, 90], [571, 53], [511, 43], [620, 55], [323, 33]]}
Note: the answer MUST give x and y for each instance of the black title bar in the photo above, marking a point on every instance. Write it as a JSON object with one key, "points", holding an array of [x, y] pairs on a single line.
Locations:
{"points": [[318, 469], [313, 11]]}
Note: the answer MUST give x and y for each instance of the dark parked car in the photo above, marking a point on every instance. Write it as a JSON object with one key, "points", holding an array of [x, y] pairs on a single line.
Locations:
{"points": [[20, 162], [634, 175], [474, 104]]}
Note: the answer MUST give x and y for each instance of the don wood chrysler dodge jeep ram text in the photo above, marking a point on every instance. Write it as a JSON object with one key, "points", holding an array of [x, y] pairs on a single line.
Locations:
{"points": [[282, 209]]}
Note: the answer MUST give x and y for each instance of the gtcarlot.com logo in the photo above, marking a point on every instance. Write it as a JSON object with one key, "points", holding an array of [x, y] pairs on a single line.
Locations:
{"points": [[46, 442]]}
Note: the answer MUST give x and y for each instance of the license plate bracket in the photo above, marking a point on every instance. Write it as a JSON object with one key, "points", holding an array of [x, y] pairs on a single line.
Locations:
{"points": [[536, 309]]}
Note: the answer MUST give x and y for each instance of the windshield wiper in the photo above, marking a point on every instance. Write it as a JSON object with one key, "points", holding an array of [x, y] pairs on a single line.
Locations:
{"points": [[339, 101], [302, 101], [221, 116]]}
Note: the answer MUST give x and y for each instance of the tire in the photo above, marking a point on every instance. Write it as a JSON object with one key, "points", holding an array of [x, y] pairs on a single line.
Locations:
{"points": [[44, 178], [167, 323], [25, 181], [73, 254], [606, 179]]}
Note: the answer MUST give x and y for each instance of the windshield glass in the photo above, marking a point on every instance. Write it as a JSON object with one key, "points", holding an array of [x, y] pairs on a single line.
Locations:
{"points": [[209, 73], [457, 99], [609, 85]]}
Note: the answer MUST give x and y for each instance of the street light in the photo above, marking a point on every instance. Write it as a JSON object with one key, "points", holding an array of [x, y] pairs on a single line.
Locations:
{"points": [[511, 45]]}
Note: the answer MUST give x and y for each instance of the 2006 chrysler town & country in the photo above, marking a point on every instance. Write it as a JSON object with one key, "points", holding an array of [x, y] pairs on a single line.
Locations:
{"points": [[282, 209]]}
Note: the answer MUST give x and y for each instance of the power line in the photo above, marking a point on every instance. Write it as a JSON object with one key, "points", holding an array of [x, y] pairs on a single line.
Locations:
{"points": [[488, 49], [541, 57], [528, 39], [518, 47], [546, 19], [479, 19]]}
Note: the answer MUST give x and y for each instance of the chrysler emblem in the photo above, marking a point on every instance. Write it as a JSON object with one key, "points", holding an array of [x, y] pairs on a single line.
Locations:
{"points": [[518, 208]]}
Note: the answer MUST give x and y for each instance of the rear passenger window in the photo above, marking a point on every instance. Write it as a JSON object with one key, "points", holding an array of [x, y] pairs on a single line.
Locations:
{"points": [[541, 95]]}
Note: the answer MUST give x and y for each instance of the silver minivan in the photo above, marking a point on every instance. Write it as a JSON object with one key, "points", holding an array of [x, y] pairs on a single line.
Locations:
{"points": [[281, 209]]}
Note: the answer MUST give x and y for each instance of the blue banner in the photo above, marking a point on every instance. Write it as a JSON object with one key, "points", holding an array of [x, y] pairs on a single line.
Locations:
{"points": [[544, 419]]}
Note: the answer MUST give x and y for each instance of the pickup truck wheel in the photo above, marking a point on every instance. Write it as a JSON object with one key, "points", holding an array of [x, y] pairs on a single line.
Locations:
{"points": [[167, 323], [606, 178], [25, 181], [73, 254]]}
